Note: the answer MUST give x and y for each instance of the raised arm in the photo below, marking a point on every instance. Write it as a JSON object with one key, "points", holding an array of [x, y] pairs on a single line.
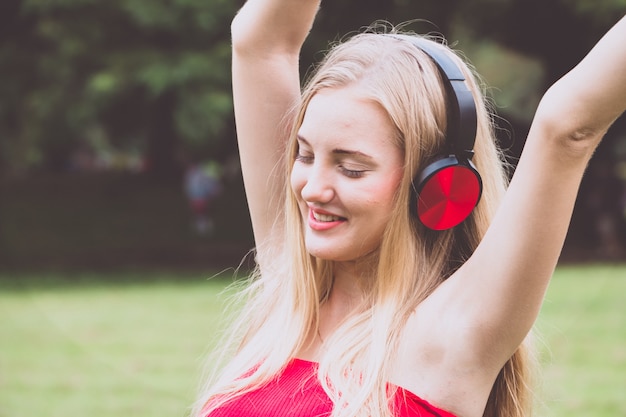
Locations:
{"points": [[267, 36], [502, 286]]}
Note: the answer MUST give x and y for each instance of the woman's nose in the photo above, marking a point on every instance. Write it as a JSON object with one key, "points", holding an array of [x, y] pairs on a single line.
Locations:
{"points": [[318, 186]]}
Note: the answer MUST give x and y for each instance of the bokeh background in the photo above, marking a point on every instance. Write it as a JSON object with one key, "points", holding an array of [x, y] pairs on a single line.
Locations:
{"points": [[113, 114], [104, 105]]}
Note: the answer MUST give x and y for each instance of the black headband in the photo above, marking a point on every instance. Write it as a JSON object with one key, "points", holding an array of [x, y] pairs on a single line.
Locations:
{"points": [[461, 128]]}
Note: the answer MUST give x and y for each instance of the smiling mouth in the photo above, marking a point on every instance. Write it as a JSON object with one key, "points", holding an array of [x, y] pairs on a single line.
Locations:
{"points": [[326, 217]]}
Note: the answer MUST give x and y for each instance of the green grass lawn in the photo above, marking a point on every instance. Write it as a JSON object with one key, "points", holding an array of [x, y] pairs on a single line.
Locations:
{"points": [[583, 343], [132, 348], [78, 346]]}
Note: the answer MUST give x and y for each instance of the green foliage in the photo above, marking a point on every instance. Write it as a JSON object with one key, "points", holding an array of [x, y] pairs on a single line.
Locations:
{"points": [[601, 11], [80, 65], [130, 68]]}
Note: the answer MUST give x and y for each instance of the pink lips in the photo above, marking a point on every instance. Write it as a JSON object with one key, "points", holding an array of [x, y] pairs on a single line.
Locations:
{"points": [[321, 226]]}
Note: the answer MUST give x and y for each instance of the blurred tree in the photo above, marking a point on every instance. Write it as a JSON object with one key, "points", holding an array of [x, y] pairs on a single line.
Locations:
{"points": [[152, 77], [557, 32], [339, 17], [141, 75]]}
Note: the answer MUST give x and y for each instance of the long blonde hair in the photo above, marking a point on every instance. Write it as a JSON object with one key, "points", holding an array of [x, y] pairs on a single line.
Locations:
{"points": [[282, 303]]}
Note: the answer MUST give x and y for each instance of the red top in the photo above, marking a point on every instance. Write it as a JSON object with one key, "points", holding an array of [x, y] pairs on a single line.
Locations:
{"points": [[297, 393]]}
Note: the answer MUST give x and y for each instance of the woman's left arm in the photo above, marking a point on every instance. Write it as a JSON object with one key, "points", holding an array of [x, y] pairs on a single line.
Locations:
{"points": [[500, 289]]}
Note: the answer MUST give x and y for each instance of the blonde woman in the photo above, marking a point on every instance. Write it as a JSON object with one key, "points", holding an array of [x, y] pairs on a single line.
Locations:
{"points": [[360, 305]]}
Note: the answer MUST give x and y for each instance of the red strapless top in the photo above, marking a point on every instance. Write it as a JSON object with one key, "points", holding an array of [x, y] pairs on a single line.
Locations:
{"points": [[297, 393]]}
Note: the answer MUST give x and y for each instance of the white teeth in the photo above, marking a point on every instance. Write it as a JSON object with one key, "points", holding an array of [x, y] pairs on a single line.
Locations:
{"points": [[325, 217]]}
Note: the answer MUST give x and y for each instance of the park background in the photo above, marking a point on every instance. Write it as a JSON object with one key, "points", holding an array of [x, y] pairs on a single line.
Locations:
{"points": [[109, 293]]}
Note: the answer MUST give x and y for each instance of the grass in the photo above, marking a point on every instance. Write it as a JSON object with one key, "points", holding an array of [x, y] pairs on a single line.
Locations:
{"points": [[583, 325], [128, 349], [81, 345]]}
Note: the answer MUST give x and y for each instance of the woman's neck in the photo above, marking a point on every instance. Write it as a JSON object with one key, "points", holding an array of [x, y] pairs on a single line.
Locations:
{"points": [[351, 282], [352, 279]]}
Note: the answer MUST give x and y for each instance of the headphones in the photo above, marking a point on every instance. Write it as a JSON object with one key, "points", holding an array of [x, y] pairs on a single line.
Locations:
{"points": [[448, 189]]}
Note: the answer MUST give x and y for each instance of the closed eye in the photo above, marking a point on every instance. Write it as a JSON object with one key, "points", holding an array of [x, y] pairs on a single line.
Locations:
{"points": [[305, 159], [352, 173]]}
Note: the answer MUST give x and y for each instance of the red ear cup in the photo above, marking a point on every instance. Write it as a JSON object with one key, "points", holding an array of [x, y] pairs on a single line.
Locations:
{"points": [[447, 192], [448, 189]]}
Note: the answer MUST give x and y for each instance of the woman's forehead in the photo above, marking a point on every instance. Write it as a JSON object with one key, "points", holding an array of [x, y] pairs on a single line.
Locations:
{"points": [[346, 115]]}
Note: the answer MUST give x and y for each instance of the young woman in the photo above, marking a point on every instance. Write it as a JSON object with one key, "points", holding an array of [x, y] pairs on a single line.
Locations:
{"points": [[360, 305]]}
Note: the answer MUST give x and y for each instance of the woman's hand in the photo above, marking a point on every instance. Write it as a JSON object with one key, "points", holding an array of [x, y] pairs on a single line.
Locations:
{"points": [[273, 26]]}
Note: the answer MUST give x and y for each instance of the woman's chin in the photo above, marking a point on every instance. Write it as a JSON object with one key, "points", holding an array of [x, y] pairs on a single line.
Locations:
{"points": [[338, 254]]}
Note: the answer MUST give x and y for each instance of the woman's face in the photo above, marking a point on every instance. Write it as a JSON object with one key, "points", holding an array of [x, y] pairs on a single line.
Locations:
{"points": [[345, 174]]}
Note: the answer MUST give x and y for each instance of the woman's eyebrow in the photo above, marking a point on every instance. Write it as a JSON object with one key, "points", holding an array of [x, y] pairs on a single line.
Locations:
{"points": [[357, 154], [340, 151]]}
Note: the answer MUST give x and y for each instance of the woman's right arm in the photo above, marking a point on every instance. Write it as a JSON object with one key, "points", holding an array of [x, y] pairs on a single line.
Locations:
{"points": [[267, 36]]}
